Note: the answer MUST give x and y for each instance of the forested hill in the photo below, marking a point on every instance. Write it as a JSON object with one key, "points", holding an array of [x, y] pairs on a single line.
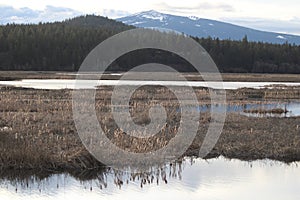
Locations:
{"points": [[93, 21], [62, 46], [54, 46]]}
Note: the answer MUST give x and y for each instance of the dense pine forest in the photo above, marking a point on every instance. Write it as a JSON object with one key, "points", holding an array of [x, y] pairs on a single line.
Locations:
{"points": [[62, 46]]}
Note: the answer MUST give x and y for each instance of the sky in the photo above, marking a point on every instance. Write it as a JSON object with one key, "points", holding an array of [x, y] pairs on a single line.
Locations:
{"points": [[270, 15]]}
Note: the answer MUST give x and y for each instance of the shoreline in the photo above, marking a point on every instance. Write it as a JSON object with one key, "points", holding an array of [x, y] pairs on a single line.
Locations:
{"points": [[230, 77]]}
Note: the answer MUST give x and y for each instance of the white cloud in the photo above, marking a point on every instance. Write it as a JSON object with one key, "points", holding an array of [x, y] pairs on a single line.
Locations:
{"points": [[111, 13], [9, 14], [204, 6], [281, 26]]}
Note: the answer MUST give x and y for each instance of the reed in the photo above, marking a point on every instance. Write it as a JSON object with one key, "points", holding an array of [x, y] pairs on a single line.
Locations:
{"points": [[37, 130]]}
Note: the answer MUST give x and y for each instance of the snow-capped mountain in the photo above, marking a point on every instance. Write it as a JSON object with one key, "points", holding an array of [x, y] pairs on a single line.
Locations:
{"points": [[199, 27]]}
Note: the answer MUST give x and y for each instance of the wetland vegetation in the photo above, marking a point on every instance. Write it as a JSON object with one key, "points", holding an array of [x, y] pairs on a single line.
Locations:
{"points": [[38, 132]]}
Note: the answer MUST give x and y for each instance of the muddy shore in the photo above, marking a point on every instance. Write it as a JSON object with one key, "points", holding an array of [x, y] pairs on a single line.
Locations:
{"points": [[235, 77], [37, 131]]}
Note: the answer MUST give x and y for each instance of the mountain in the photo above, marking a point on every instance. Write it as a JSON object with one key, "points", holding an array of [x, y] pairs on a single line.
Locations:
{"points": [[199, 27], [62, 46]]}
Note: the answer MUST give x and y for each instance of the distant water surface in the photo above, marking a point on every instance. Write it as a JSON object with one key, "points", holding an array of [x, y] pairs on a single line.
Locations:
{"points": [[89, 84]]}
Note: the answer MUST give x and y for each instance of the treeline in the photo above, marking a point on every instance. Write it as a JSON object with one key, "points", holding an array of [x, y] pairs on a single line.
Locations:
{"points": [[62, 46], [253, 57]]}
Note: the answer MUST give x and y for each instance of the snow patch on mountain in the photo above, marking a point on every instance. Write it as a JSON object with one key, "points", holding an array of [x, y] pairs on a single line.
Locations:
{"points": [[153, 15], [136, 23], [281, 37]]}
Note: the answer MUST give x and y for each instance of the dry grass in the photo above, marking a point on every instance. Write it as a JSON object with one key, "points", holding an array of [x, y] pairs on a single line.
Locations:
{"points": [[37, 130]]}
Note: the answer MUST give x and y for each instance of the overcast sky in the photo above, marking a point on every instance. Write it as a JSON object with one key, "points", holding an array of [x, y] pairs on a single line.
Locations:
{"points": [[272, 15]]}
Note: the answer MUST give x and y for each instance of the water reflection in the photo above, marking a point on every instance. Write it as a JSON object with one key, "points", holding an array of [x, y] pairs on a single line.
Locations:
{"points": [[193, 178], [292, 108]]}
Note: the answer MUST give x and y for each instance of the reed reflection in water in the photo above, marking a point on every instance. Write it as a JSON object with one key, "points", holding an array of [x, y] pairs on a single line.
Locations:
{"points": [[218, 178]]}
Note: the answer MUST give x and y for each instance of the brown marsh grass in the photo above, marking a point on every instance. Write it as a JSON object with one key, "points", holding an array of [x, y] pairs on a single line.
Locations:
{"points": [[37, 131]]}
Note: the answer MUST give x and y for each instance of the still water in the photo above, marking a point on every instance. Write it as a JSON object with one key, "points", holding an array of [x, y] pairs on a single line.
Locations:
{"points": [[86, 84], [292, 108], [217, 178]]}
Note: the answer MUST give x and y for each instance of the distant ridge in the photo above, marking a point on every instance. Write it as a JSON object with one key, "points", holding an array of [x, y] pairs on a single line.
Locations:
{"points": [[199, 27]]}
